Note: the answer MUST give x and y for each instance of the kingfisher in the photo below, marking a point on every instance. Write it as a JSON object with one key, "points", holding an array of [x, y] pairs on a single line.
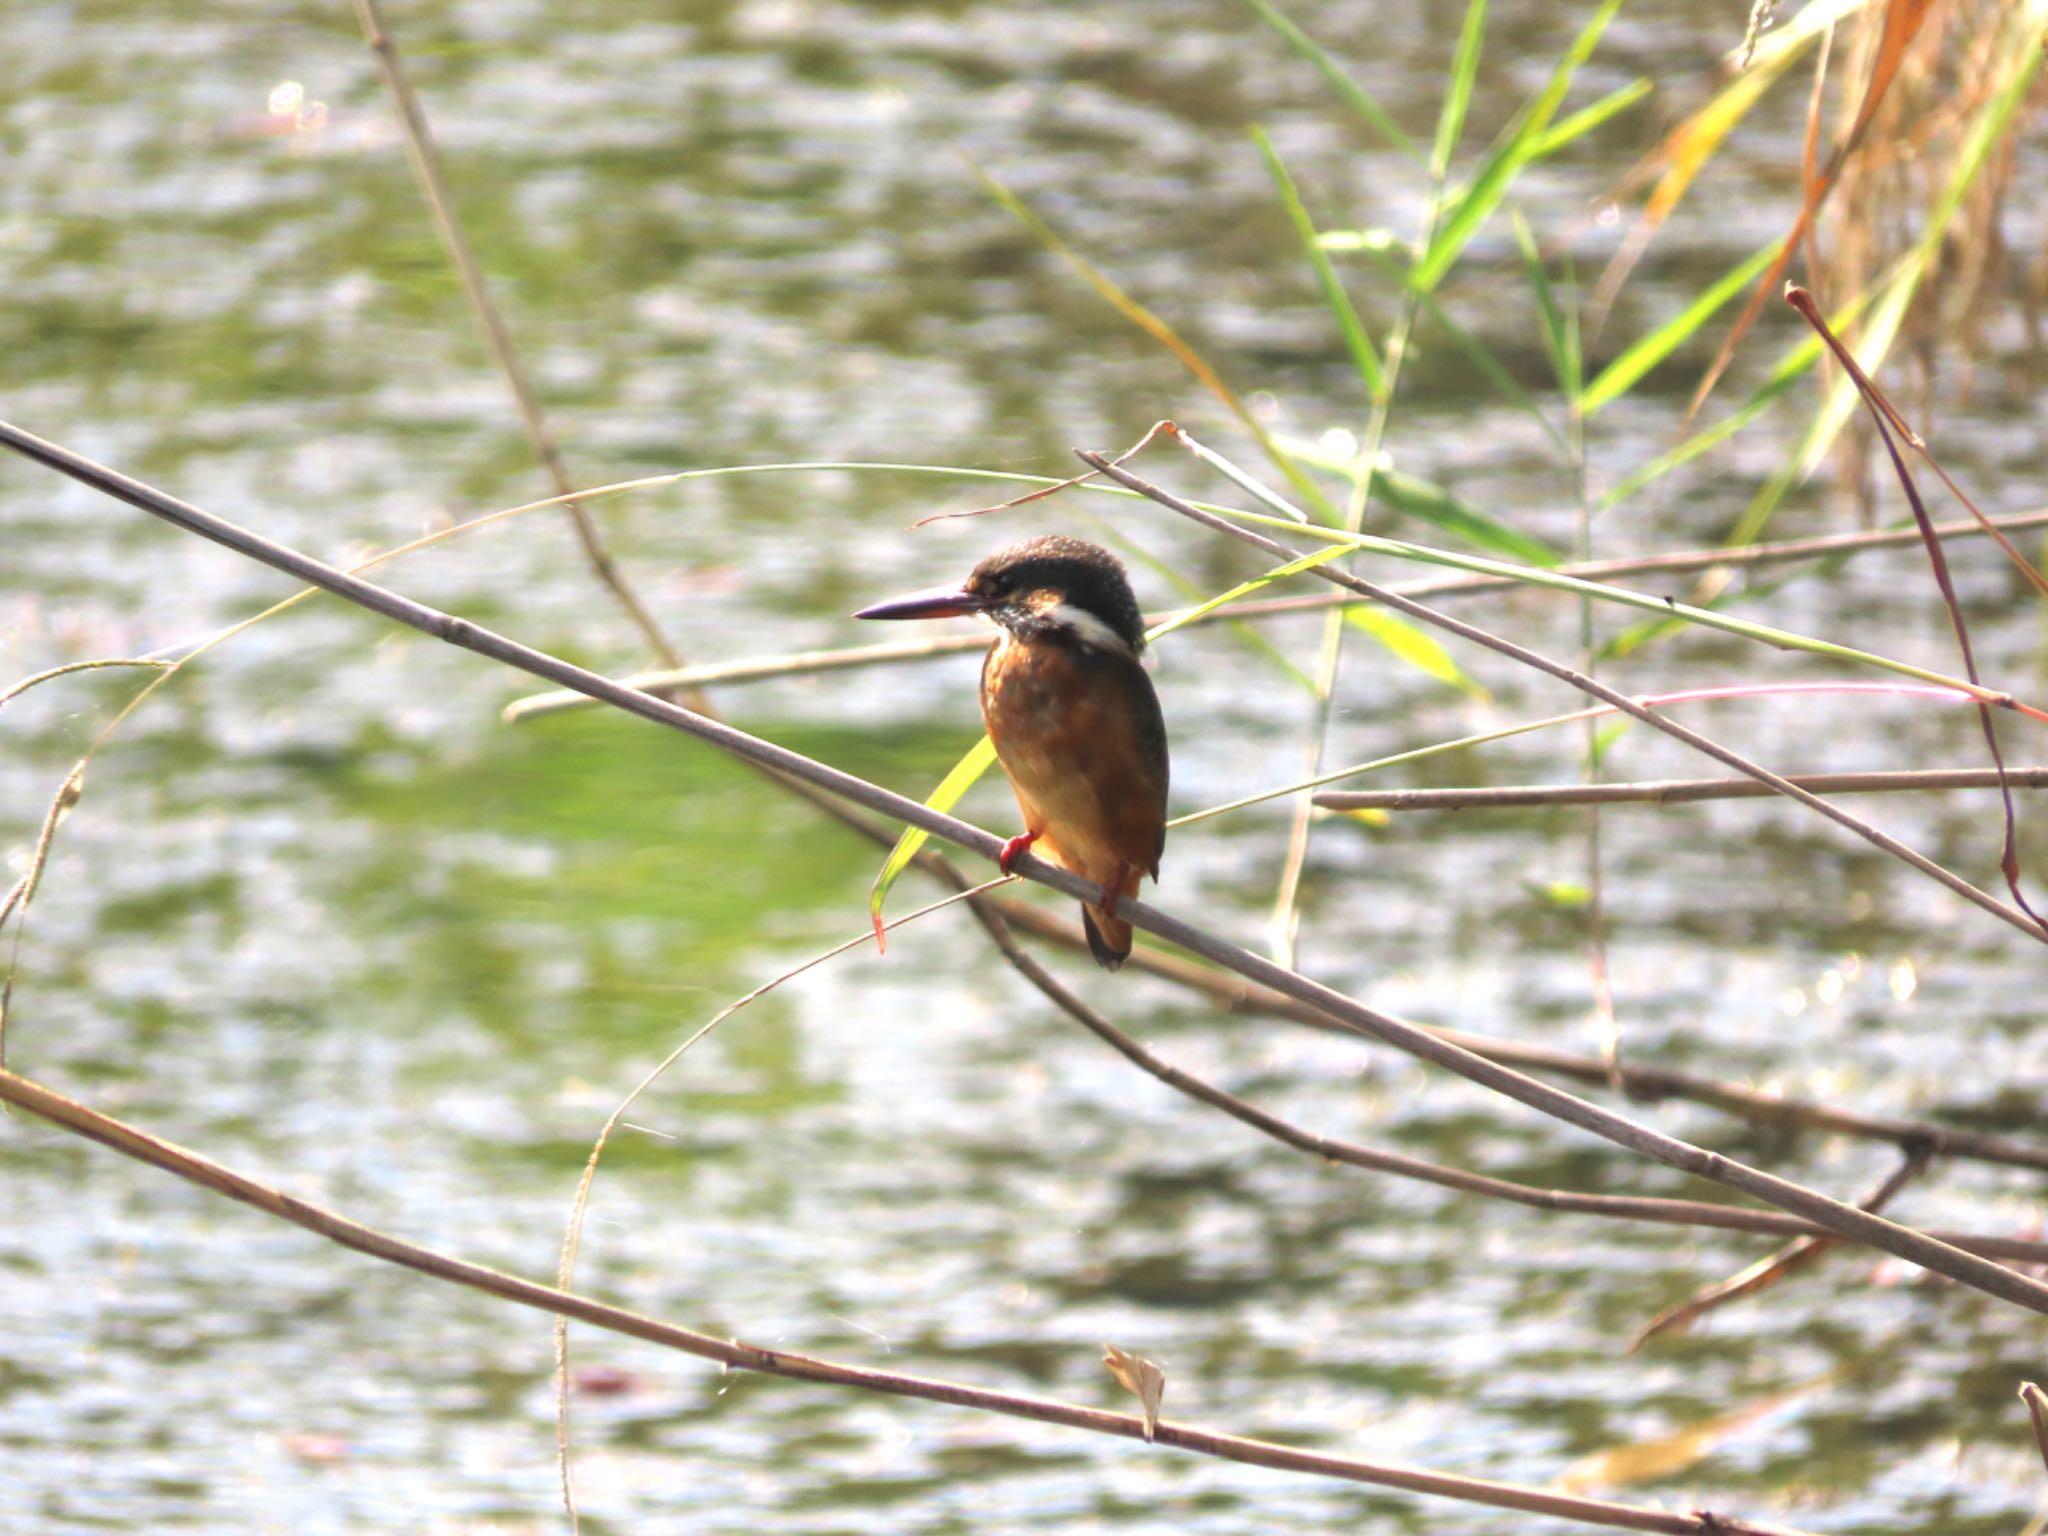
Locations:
{"points": [[1072, 714]]}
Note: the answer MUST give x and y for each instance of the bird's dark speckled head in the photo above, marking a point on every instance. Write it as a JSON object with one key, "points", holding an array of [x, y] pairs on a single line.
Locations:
{"points": [[1055, 585]]}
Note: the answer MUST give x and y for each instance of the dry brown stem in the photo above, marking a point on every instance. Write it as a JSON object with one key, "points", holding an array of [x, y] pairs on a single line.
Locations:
{"points": [[1767, 1272], [426, 164], [1675, 791], [1693, 1213]]}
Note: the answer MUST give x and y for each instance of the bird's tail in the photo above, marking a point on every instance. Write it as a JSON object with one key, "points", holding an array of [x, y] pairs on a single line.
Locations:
{"points": [[1109, 938]]}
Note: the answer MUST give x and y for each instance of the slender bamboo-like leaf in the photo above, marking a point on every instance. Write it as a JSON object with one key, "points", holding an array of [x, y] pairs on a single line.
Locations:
{"points": [[1378, 247], [1249, 484], [1706, 437], [1307, 562], [1586, 119], [1417, 647], [1872, 344], [1348, 241], [964, 776], [1648, 351], [1507, 161], [1686, 150], [1790, 367], [1363, 358], [1450, 120], [1188, 589], [1355, 95], [1902, 21], [1424, 499], [1560, 335], [1158, 330]]}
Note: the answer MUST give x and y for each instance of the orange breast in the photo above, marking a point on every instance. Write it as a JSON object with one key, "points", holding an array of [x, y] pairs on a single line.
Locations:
{"points": [[1067, 733]]}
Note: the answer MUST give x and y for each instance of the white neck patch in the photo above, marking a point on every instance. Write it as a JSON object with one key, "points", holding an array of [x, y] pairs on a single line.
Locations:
{"points": [[1085, 627]]}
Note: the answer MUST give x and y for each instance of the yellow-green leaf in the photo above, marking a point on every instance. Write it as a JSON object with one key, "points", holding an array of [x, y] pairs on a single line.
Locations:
{"points": [[1413, 646], [955, 784]]}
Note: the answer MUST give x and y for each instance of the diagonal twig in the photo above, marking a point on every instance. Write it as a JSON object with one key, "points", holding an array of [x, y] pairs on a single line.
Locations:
{"points": [[1767, 1272], [755, 668], [1352, 1154], [426, 164]]}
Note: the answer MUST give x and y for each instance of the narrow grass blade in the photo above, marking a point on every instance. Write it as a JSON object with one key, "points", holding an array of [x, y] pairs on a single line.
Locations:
{"points": [[1363, 358], [1586, 119], [1450, 120], [1765, 634], [1417, 647], [1193, 592], [1247, 483], [1902, 20], [1158, 330], [1619, 376], [1356, 96], [1377, 246], [1432, 504], [965, 775], [1429, 502], [1872, 345], [1790, 368], [1560, 333], [1506, 162], [1307, 562]]}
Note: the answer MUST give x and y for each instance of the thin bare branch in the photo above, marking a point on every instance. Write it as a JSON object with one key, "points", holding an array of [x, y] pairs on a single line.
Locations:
{"points": [[1860, 1226], [1675, 791], [426, 164], [735, 1355], [1767, 1272]]}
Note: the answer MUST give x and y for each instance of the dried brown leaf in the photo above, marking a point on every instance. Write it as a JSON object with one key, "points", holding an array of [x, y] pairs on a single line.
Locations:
{"points": [[1141, 1378]]}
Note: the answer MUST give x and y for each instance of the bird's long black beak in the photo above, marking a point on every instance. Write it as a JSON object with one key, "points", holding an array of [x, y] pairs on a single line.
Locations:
{"points": [[933, 603]]}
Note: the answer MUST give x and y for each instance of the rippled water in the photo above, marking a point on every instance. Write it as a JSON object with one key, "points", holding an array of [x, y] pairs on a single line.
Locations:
{"points": [[322, 916]]}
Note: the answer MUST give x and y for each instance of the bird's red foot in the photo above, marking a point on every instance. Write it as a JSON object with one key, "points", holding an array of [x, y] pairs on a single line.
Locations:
{"points": [[1012, 848], [1113, 890]]}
